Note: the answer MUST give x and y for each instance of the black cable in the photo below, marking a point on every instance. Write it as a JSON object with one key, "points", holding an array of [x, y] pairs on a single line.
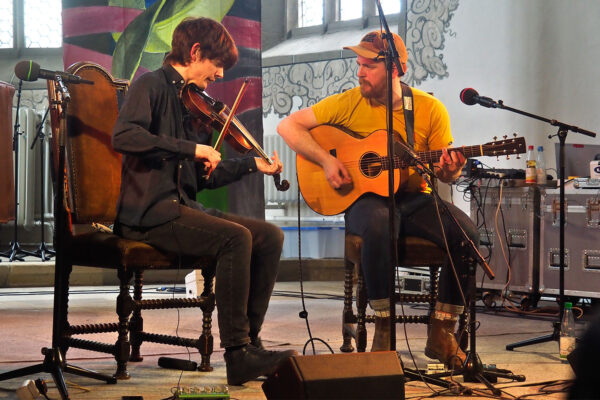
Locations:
{"points": [[304, 313]]}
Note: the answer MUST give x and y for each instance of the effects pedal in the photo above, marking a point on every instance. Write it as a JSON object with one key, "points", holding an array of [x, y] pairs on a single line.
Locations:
{"points": [[202, 392]]}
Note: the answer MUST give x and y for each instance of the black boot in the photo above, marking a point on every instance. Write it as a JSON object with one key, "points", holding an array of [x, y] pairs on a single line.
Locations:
{"points": [[256, 342], [247, 363]]}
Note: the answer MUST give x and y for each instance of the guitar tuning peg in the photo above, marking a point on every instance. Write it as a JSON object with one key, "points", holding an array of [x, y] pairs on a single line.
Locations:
{"points": [[497, 158], [505, 137], [518, 157], [495, 138], [515, 134], [507, 157]]}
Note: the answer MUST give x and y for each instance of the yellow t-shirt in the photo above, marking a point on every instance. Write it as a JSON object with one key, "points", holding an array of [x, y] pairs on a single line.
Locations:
{"points": [[362, 116]]}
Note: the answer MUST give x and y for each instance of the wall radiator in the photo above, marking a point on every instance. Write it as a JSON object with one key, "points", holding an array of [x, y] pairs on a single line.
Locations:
{"points": [[30, 188]]}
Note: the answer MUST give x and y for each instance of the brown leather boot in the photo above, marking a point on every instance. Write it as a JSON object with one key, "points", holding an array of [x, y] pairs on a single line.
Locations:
{"points": [[381, 338], [442, 345]]}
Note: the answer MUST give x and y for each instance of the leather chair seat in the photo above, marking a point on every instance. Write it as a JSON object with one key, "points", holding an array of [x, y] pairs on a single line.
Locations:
{"points": [[107, 250]]}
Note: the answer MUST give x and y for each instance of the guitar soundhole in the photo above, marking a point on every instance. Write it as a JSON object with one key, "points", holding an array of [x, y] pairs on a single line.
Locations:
{"points": [[370, 165]]}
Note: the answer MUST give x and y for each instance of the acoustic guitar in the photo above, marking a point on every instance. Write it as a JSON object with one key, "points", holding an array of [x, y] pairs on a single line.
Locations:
{"points": [[367, 162]]}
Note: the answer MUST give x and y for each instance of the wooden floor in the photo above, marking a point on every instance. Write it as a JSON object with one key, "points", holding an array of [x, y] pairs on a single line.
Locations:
{"points": [[26, 324]]}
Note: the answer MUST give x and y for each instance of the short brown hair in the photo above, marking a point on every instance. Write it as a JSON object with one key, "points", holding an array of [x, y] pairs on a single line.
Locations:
{"points": [[216, 44]]}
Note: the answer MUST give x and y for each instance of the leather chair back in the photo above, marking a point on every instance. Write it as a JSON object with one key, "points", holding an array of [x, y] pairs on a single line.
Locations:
{"points": [[93, 166]]}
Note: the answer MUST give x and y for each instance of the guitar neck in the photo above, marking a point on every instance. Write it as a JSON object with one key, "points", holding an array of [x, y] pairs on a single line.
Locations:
{"points": [[433, 156]]}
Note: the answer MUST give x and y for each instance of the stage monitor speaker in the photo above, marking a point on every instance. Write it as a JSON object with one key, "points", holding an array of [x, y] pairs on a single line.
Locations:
{"points": [[338, 376]]}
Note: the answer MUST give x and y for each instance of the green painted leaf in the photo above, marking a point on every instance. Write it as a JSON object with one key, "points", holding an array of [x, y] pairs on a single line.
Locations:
{"points": [[152, 30], [131, 44], [174, 12], [151, 61]]}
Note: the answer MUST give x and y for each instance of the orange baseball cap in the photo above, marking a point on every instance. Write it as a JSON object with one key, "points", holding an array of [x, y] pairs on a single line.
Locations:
{"points": [[373, 46]]}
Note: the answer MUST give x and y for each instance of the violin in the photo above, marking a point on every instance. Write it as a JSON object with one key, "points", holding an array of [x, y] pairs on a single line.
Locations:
{"points": [[218, 116]]}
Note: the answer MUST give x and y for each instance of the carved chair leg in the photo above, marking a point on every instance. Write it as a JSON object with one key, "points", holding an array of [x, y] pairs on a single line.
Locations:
{"points": [[124, 308], [136, 324], [361, 307], [348, 330], [63, 312], [205, 344], [434, 282]]}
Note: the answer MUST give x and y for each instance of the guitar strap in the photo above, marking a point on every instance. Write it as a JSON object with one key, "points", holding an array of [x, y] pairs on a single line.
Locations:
{"points": [[409, 114]]}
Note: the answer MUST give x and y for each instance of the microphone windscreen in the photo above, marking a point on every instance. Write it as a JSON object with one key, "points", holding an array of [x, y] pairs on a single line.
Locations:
{"points": [[27, 70], [468, 95], [176, 363]]}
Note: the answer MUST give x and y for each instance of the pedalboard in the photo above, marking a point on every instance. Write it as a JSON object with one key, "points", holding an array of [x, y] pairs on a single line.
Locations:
{"points": [[217, 392]]}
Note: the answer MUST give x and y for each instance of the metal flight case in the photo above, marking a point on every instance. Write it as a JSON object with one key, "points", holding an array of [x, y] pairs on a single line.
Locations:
{"points": [[582, 243], [516, 229]]}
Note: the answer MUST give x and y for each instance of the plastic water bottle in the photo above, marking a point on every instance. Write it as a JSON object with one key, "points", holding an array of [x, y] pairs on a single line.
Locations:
{"points": [[530, 171], [567, 332], [540, 165]]}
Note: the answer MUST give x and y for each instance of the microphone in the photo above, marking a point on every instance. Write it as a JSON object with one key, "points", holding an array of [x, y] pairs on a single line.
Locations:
{"points": [[405, 153], [469, 96], [31, 71]]}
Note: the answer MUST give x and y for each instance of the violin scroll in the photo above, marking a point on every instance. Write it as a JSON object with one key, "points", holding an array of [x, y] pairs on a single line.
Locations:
{"points": [[280, 185]]}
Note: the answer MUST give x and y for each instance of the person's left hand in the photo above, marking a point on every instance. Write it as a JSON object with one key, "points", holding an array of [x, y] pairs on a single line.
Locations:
{"points": [[269, 169], [451, 163]]}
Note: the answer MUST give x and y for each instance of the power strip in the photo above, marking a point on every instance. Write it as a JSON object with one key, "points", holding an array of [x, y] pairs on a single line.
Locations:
{"points": [[203, 392]]}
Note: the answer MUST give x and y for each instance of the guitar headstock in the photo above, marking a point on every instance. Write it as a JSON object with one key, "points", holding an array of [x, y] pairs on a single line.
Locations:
{"points": [[515, 145]]}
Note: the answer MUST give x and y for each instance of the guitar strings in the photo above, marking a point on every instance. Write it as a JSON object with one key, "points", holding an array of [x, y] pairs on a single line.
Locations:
{"points": [[428, 156]]}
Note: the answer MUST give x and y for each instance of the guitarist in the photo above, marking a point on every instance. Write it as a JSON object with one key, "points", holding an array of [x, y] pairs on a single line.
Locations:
{"points": [[362, 110]]}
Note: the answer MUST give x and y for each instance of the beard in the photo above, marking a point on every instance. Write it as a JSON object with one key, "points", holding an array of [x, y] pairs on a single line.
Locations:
{"points": [[368, 91]]}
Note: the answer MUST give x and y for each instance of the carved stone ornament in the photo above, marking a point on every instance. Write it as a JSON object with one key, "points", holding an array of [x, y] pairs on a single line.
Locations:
{"points": [[310, 82], [428, 22]]}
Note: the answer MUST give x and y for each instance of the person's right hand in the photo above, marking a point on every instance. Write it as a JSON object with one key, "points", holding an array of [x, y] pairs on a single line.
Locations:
{"points": [[208, 156], [336, 173]]}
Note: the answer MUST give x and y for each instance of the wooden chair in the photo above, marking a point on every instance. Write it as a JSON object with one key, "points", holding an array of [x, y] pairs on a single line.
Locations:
{"points": [[414, 252], [87, 172]]}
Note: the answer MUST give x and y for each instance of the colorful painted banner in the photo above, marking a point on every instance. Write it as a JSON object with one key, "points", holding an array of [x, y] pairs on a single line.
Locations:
{"points": [[131, 37]]}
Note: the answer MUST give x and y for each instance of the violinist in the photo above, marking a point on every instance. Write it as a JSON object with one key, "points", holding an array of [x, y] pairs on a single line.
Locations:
{"points": [[167, 159]]}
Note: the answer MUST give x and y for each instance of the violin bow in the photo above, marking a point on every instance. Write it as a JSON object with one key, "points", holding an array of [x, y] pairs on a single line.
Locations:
{"points": [[234, 107]]}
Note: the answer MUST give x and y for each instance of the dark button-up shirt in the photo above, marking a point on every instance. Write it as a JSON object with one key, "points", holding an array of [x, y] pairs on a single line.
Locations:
{"points": [[158, 147]]}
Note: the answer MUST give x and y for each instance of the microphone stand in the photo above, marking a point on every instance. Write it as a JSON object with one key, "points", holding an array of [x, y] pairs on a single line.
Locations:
{"points": [[54, 362], [42, 251], [15, 252], [473, 369], [562, 131], [391, 59]]}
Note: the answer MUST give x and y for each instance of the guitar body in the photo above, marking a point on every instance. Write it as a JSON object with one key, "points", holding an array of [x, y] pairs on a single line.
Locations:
{"points": [[368, 165], [362, 158]]}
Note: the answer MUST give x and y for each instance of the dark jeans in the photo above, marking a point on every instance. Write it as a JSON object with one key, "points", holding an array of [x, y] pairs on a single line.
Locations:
{"points": [[247, 251], [415, 216]]}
